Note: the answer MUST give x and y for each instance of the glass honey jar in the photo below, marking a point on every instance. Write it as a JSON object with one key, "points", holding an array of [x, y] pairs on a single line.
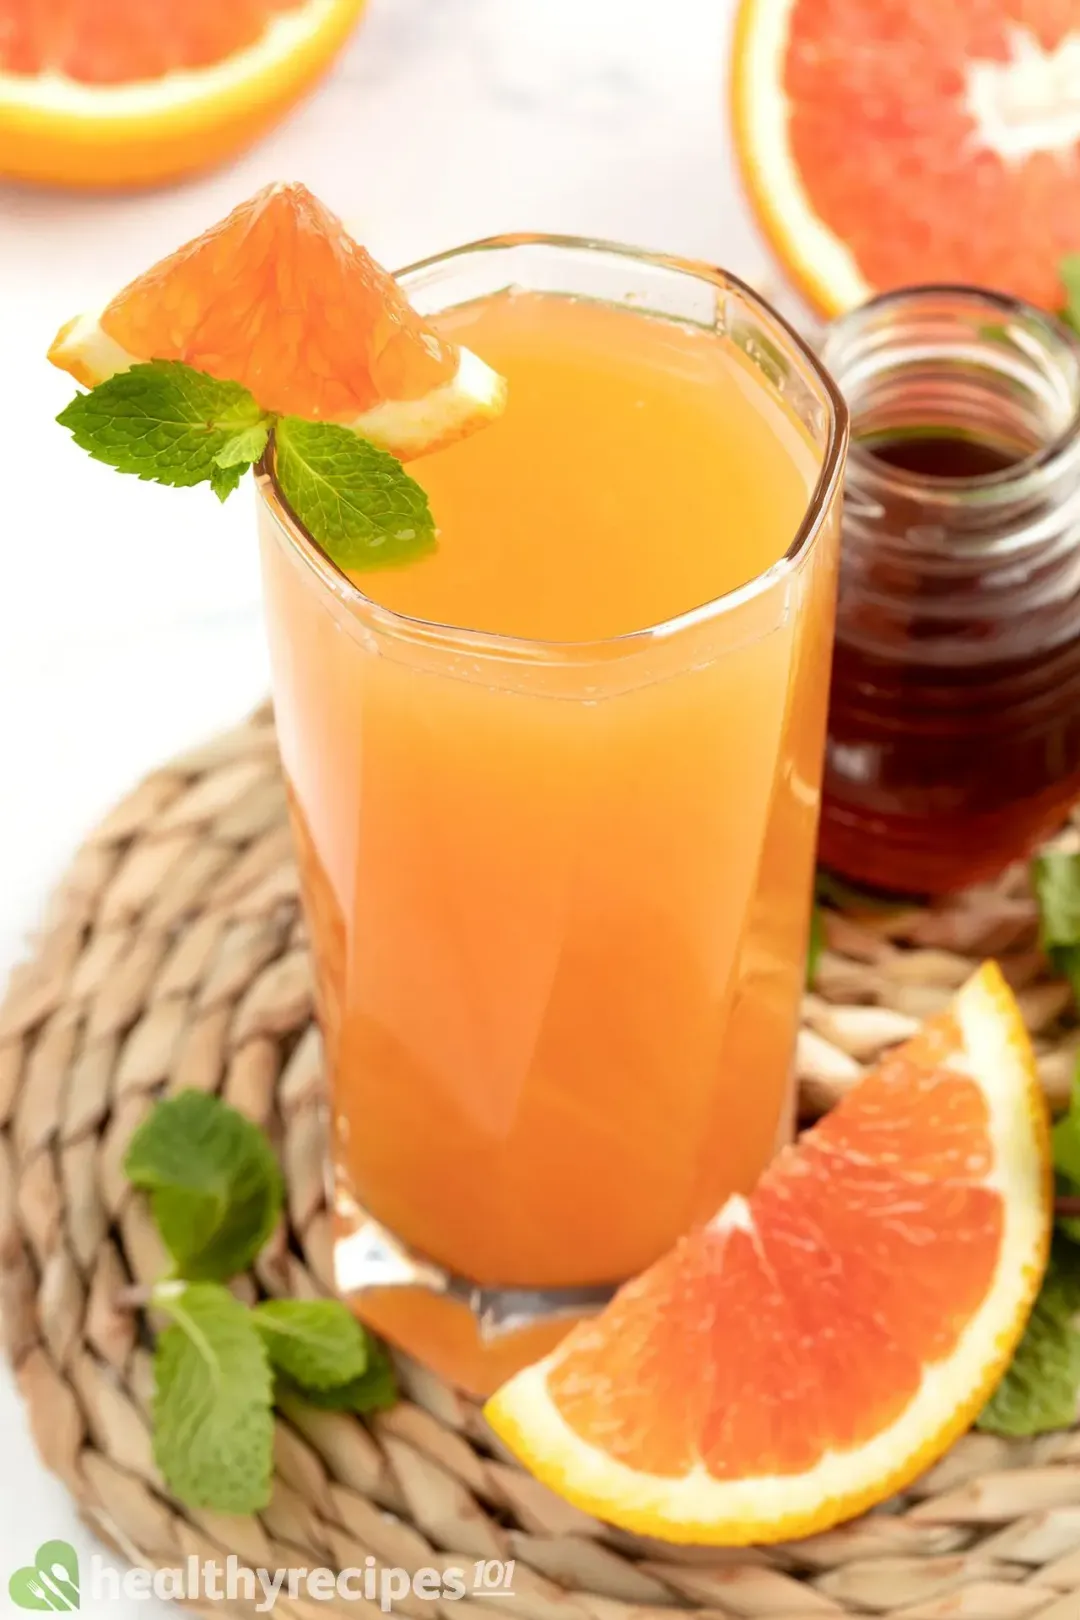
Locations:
{"points": [[954, 725]]}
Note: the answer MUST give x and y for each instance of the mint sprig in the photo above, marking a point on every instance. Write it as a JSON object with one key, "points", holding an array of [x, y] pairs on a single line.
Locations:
{"points": [[167, 422], [375, 1390], [215, 1186], [355, 500], [213, 1422], [313, 1341], [1055, 878], [1041, 1389], [216, 1194], [815, 944]]}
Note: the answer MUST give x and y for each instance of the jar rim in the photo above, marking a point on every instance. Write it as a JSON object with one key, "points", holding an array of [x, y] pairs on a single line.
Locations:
{"points": [[1060, 344]]}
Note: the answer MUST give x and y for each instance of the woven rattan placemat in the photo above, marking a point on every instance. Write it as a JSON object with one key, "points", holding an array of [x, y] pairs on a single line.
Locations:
{"points": [[173, 955]]}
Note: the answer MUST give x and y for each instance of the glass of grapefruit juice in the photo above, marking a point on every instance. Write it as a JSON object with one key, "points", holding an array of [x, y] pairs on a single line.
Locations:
{"points": [[554, 790]]}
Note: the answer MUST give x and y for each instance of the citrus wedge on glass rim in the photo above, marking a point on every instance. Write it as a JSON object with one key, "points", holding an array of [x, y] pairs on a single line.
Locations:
{"points": [[886, 145], [823, 1341], [279, 297], [106, 93]]}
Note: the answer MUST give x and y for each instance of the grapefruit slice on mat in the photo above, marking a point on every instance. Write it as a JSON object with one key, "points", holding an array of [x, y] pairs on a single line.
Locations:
{"points": [[103, 93], [819, 1344], [934, 140], [280, 298]]}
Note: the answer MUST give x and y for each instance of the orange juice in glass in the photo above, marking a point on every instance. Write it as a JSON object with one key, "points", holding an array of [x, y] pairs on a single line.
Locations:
{"points": [[555, 795]]}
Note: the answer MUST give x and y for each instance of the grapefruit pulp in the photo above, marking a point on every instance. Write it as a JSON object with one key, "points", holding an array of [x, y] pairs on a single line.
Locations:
{"points": [[884, 145], [279, 297], [819, 1344], [110, 93]]}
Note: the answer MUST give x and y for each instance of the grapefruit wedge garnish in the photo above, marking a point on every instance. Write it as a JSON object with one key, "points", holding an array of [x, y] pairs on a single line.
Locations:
{"points": [[279, 297], [884, 145], [819, 1344], [131, 92]]}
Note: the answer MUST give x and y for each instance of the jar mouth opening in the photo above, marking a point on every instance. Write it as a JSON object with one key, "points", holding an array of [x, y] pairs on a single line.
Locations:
{"points": [[963, 362]]}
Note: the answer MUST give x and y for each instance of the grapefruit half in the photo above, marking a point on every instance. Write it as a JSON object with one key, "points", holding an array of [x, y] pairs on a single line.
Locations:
{"points": [[885, 144], [819, 1344], [111, 93], [279, 297]]}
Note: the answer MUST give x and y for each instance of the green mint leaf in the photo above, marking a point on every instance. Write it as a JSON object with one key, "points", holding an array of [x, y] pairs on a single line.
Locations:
{"points": [[236, 456], [167, 422], [223, 480], [1055, 878], [244, 447], [215, 1186], [1069, 271], [317, 1343], [1065, 1141], [374, 1391], [1065, 1138], [816, 945], [213, 1389], [357, 502], [1041, 1389]]}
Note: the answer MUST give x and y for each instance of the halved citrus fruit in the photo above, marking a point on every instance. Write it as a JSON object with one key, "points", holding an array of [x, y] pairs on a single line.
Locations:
{"points": [[817, 1345], [884, 145], [106, 93], [280, 298]]}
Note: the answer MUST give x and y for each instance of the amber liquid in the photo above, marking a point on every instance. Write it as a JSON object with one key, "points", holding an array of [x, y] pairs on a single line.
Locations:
{"points": [[954, 727], [943, 455]]}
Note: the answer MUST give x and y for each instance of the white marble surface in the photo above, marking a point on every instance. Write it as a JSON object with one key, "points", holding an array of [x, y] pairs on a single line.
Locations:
{"points": [[129, 617]]}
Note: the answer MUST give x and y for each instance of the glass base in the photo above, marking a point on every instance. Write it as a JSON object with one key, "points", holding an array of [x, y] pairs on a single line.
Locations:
{"points": [[368, 1257], [473, 1335]]}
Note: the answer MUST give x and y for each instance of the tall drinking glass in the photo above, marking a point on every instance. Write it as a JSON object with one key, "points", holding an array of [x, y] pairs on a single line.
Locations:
{"points": [[558, 893]]}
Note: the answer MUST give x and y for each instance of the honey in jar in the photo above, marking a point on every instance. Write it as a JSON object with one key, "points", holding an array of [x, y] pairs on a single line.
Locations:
{"points": [[954, 726]]}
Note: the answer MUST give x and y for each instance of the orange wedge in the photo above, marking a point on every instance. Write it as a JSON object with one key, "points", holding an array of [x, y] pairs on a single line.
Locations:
{"points": [[280, 298], [104, 93], [817, 1345], [884, 144]]}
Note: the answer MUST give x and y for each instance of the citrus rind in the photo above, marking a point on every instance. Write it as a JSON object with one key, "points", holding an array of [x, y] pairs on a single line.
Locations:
{"points": [[735, 1512], [474, 396]]}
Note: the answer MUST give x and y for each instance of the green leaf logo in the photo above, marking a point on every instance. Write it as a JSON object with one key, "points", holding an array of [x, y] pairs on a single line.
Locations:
{"points": [[50, 1582]]}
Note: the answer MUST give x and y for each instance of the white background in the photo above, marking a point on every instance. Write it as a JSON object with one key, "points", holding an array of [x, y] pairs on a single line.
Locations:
{"points": [[129, 615]]}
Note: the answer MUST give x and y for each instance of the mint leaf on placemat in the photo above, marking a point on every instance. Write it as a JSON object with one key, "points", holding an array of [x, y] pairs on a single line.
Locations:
{"points": [[215, 1186], [375, 1390], [815, 945], [213, 1422], [1055, 878], [167, 422], [318, 1343], [1066, 1138], [357, 502], [1041, 1389]]}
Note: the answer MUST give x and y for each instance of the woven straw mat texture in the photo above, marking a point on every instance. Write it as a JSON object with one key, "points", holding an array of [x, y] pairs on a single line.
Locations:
{"points": [[173, 955]]}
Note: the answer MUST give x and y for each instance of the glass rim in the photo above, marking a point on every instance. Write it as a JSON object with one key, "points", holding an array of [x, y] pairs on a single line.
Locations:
{"points": [[536, 649], [1055, 334]]}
